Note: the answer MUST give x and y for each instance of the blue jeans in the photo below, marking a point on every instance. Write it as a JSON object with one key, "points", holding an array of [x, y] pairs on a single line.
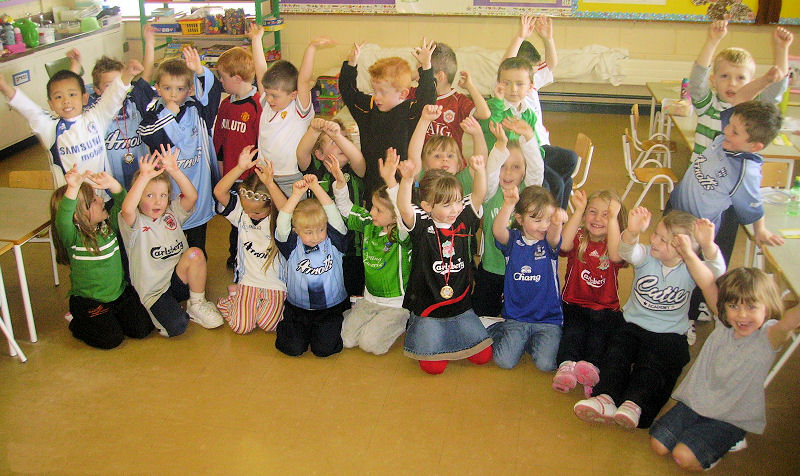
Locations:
{"points": [[512, 338]]}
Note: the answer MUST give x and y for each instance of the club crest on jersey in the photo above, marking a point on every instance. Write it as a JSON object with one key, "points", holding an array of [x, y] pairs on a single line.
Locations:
{"points": [[283, 114], [540, 252], [245, 116], [91, 127], [650, 296], [449, 116], [170, 222]]}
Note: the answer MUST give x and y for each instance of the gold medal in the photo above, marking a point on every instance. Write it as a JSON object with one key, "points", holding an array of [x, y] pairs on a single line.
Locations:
{"points": [[128, 158], [446, 292]]}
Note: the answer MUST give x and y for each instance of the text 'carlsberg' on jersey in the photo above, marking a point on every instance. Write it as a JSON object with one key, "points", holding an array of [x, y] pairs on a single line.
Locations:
{"points": [[651, 297], [166, 252], [441, 267], [306, 268], [92, 148]]}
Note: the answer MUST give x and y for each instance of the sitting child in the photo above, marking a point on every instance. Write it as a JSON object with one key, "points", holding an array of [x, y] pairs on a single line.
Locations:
{"points": [[164, 270], [257, 296], [645, 357], [104, 308], [311, 236]]}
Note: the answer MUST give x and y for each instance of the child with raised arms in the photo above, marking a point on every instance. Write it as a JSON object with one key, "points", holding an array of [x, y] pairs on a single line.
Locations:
{"points": [[722, 397], [645, 357], [590, 299], [311, 235], [257, 295], [104, 308], [376, 321], [531, 304], [442, 326], [164, 270]]}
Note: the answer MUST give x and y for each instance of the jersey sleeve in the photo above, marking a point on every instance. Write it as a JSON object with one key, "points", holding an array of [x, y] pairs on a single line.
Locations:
{"points": [[357, 102], [113, 215], [64, 225], [747, 198], [426, 94], [142, 93], [41, 122], [109, 103], [699, 89]]}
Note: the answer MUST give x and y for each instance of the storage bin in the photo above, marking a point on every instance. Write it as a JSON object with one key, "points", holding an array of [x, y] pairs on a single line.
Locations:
{"points": [[191, 27]]}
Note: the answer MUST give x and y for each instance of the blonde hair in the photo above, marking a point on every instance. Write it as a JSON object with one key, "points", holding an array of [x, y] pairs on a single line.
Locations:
{"points": [[680, 222], [439, 186], [254, 184], [749, 286], [105, 64], [394, 69], [309, 212], [318, 144], [237, 61], [737, 56], [622, 217], [80, 219], [533, 199], [381, 194], [175, 67], [439, 142]]}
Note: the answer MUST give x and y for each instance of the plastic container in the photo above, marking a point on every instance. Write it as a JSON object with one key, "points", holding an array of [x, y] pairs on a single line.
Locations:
{"points": [[191, 27], [793, 205]]}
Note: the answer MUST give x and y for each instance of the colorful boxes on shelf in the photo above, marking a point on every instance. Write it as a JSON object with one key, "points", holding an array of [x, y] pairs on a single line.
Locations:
{"points": [[329, 99]]}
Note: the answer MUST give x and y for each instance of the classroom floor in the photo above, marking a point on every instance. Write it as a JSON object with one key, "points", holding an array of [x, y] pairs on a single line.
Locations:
{"points": [[210, 401]]}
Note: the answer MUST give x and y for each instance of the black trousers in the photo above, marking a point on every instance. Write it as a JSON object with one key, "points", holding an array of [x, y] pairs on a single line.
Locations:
{"points": [[319, 328], [196, 237], [586, 333], [105, 325], [487, 295], [643, 367], [559, 163]]}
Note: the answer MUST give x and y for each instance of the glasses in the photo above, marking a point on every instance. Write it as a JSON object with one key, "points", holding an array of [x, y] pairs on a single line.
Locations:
{"points": [[251, 195]]}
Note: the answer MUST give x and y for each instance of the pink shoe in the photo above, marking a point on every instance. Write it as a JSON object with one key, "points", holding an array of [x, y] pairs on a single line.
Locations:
{"points": [[599, 409], [564, 380], [627, 415], [587, 391], [586, 373]]}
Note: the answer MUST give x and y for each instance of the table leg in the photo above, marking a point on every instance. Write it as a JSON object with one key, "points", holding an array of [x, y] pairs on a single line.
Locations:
{"points": [[5, 323], [652, 116], [26, 298]]}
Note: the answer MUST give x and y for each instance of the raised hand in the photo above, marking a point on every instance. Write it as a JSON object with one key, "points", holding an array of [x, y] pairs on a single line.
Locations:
{"points": [[149, 34], [131, 70], [322, 42], [247, 158], [499, 91], [638, 219], [704, 232], [526, 26], [499, 133], [408, 169], [388, 167], [74, 178], [311, 180], [431, 112], [578, 200], [718, 29], [192, 58], [254, 32], [465, 80], [510, 195], [471, 126], [613, 209], [559, 217], [102, 180], [518, 126], [477, 162], [169, 158], [683, 245], [333, 166], [299, 188], [352, 60], [318, 124], [544, 27], [423, 53], [783, 38], [149, 165], [264, 171], [332, 128], [74, 55]]}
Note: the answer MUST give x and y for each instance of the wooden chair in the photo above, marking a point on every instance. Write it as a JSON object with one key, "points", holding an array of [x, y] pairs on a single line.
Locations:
{"points": [[39, 179], [646, 170], [585, 149], [642, 145], [776, 174]]}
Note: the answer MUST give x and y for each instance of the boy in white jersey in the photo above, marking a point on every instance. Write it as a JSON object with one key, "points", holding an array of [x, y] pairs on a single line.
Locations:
{"points": [[73, 136], [285, 95]]}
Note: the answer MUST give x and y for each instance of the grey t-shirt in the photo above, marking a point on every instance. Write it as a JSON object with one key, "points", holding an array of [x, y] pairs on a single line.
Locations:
{"points": [[154, 248], [726, 382]]}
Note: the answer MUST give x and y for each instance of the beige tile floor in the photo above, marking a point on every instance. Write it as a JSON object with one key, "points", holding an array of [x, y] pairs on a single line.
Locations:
{"points": [[213, 402]]}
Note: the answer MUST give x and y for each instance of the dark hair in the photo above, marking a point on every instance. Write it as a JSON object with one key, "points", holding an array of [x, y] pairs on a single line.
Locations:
{"points": [[105, 65], [516, 62], [762, 121], [438, 186], [529, 52], [65, 75], [533, 200], [443, 59], [281, 75], [175, 67]]}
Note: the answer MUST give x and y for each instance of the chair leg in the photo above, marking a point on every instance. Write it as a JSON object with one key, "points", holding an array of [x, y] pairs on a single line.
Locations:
{"points": [[627, 190], [644, 193], [53, 257]]}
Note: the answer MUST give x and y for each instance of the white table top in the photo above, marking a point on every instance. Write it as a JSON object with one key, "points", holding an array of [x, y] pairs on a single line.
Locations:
{"points": [[25, 212], [784, 259]]}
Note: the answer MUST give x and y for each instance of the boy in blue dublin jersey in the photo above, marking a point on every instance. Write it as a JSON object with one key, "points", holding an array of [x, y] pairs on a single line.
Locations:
{"points": [[183, 117]]}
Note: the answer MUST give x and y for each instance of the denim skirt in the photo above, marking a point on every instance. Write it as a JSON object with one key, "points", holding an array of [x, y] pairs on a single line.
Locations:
{"points": [[448, 338]]}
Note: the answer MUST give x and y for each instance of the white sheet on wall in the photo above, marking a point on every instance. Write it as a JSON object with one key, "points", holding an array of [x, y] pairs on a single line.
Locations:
{"points": [[442, 7]]}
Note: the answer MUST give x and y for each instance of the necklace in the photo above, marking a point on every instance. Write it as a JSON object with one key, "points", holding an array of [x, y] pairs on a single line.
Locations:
{"points": [[128, 157], [447, 291]]}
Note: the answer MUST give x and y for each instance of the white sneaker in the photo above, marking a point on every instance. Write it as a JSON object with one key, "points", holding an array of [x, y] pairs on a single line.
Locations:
{"points": [[739, 446], [691, 334], [627, 415], [205, 314], [599, 409], [703, 312]]}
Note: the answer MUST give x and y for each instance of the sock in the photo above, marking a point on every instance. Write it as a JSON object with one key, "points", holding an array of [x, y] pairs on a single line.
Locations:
{"points": [[481, 357], [433, 367], [197, 297]]}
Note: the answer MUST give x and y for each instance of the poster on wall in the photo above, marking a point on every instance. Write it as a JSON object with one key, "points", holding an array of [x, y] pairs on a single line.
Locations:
{"points": [[432, 7]]}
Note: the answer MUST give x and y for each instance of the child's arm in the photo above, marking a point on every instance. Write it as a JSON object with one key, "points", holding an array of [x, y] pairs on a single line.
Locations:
{"points": [[531, 151], [481, 108], [256, 35], [149, 59], [544, 28], [471, 126], [306, 70], [266, 175], [752, 89], [700, 273], [500, 225], [526, 28], [340, 191], [245, 163], [105, 181], [357, 102], [388, 168], [629, 249], [64, 220], [408, 173], [773, 93], [429, 114], [556, 225], [8, 91], [574, 223], [147, 170], [334, 217], [499, 153], [169, 161], [613, 234], [716, 32], [426, 85], [348, 148], [131, 70], [477, 165], [75, 61], [283, 224], [763, 236], [306, 145], [780, 332]]}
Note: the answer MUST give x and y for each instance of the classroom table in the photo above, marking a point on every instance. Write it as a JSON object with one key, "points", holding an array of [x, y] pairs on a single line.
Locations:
{"points": [[26, 212], [686, 125], [5, 322], [782, 261]]}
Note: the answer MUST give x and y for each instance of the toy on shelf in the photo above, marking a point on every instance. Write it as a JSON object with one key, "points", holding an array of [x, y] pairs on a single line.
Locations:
{"points": [[329, 100], [214, 24], [234, 21], [273, 24], [272, 55]]}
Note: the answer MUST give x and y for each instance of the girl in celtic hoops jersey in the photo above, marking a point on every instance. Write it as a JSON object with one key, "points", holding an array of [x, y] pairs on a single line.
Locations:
{"points": [[376, 321]]}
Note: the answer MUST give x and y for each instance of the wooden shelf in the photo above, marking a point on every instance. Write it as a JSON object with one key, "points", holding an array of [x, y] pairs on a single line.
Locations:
{"points": [[201, 36]]}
